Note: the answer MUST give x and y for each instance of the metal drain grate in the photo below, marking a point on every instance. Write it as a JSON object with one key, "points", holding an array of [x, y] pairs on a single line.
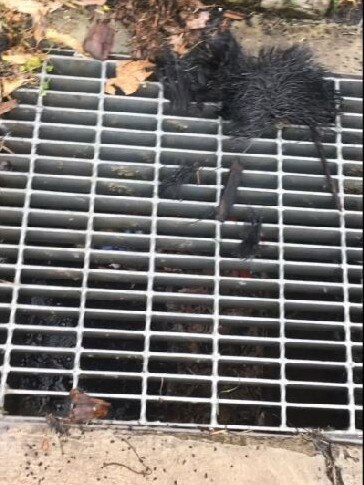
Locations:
{"points": [[140, 299]]}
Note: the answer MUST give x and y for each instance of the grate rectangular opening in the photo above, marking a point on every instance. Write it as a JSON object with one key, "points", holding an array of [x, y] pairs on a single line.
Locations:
{"points": [[139, 298]]}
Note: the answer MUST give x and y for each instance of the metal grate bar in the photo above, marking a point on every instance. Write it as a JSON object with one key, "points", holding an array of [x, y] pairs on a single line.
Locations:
{"points": [[339, 140]]}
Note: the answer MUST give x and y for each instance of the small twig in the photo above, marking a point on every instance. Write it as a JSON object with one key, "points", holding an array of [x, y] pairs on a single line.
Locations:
{"points": [[249, 245], [147, 471], [58, 425], [204, 7], [317, 138], [5, 148], [229, 195], [137, 472], [198, 175], [161, 386], [183, 175], [230, 390], [324, 446], [347, 456]]}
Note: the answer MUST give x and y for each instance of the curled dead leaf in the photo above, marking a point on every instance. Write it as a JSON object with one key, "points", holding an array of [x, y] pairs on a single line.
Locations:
{"points": [[8, 106], [178, 44], [45, 445], [52, 35], [229, 14], [129, 76], [198, 22], [38, 11], [20, 57], [30, 7], [87, 408], [100, 40], [90, 3], [8, 85], [39, 29]]}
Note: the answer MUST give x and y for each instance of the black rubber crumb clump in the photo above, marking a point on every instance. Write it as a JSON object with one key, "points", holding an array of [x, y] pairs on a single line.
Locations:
{"points": [[171, 186], [279, 87], [200, 75], [282, 87], [4, 43], [251, 238]]}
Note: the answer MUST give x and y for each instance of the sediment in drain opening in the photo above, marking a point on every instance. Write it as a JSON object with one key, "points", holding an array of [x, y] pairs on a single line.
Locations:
{"points": [[41, 405], [168, 412]]}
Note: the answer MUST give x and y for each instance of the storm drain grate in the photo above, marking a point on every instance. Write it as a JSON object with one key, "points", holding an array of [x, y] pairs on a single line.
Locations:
{"points": [[141, 300]]}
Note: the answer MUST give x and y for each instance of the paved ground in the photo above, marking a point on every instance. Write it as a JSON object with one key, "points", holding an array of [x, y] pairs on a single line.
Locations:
{"points": [[338, 47], [33, 454]]}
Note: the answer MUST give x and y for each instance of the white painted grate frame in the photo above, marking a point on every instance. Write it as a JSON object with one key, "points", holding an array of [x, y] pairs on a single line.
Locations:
{"points": [[65, 150]]}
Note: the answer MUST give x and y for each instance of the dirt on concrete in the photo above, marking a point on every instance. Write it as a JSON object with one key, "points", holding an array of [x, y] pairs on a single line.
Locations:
{"points": [[337, 46], [34, 454]]}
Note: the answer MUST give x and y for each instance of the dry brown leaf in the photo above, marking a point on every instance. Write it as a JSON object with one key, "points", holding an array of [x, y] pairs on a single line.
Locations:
{"points": [[31, 7], [87, 408], [8, 106], [178, 44], [45, 445], [52, 35], [200, 22], [87, 3], [100, 40], [39, 31], [9, 85], [37, 10], [233, 15], [55, 5], [19, 56], [39, 20], [129, 76]]}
